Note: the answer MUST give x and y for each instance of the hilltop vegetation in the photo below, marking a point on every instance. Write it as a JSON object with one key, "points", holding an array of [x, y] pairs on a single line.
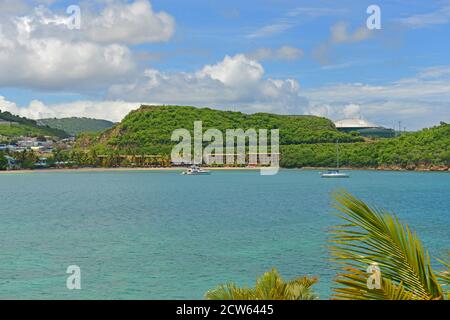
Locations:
{"points": [[149, 129], [306, 141], [75, 126], [423, 149], [22, 126]]}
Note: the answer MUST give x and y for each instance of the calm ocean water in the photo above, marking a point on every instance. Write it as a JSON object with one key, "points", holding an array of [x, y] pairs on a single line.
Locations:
{"points": [[160, 235]]}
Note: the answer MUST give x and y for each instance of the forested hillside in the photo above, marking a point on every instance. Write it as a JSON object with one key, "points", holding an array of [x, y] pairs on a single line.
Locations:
{"points": [[306, 141], [423, 149], [20, 126], [149, 128], [75, 126]]}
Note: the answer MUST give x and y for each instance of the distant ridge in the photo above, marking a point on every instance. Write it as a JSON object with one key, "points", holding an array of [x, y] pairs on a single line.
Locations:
{"points": [[74, 126], [15, 126]]}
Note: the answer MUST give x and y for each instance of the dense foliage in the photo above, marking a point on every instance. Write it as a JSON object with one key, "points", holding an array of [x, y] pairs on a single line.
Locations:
{"points": [[270, 286], [26, 127], [149, 128], [3, 161], [374, 237], [429, 147], [75, 126], [306, 141]]}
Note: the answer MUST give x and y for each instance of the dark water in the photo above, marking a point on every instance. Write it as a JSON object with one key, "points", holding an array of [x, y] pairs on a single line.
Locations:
{"points": [[148, 235]]}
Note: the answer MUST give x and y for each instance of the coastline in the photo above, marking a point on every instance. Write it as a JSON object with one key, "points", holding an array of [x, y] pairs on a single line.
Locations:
{"points": [[387, 168], [124, 169], [121, 169]]}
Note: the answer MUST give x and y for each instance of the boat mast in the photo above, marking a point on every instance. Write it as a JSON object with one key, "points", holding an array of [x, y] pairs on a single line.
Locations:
{"points": [[337, 154]]}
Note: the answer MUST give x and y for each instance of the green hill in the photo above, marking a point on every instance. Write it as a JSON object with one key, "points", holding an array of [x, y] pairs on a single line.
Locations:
{"points": [[75, 126], [15, 126], [306, 141], [427, 148], [148, 129]]}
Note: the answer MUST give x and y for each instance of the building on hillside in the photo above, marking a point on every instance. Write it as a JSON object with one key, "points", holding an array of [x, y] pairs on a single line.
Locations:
{"points": [[365, 128], [42, 163], [13, 164]]}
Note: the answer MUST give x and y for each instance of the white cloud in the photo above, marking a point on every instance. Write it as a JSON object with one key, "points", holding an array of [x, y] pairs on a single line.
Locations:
{"points": [[435, 72], [316, 12], [291, 19], [234, 71], [271, 29], [37, 50], [336, 112], [352, 110], [133, 23], [52, 63], [8, 7], [419, 101], [340, 33], [117, 22], [283, 53], [109, 110], [233, 82], [440, 16]]}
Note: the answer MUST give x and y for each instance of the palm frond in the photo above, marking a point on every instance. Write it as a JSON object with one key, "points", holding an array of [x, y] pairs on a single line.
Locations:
{"points": [[270, 286], [354, 287], [444, 276], [230, 292], [375, 236]]}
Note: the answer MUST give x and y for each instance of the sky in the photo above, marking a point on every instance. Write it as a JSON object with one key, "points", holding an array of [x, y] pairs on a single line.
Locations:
{"points": [[280, 56]]}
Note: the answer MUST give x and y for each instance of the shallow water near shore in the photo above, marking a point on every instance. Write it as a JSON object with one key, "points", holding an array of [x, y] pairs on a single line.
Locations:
{"points": [[161, 235]]}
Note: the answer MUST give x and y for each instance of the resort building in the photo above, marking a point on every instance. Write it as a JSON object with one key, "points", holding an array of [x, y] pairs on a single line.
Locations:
{"points": [[365, 128], [12, 163]]}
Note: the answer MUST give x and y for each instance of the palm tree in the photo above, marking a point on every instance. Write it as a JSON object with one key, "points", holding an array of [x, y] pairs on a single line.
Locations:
{"points": [[268, 287], [371, 235]]}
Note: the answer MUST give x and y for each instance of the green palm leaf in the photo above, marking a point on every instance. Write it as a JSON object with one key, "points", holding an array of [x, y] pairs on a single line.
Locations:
{"points": [[269, 286], [444, 276], [230, 292], [354, 287], [371, 235]]}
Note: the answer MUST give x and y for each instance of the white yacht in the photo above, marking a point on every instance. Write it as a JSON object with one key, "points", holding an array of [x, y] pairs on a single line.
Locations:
{"points": [[335, 173], [196, 171]]}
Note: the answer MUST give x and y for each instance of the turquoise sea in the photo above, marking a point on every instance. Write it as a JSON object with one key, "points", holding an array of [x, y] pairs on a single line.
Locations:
{"points": [[161, 235]]}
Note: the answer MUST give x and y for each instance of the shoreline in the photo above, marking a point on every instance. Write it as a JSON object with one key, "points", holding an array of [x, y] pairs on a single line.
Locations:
{"points": [[124, 169], [121, 169]]}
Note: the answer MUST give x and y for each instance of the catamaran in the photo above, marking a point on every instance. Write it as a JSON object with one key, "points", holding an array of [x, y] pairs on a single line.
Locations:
{"points": [[335, 173], [196, 171]]}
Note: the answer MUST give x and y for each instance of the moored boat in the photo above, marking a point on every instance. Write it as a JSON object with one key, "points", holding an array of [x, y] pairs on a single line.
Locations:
{"points": [[195, 171], [335, 173]]}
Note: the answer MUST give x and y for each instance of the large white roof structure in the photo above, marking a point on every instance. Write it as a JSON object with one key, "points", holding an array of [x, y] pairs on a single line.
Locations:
{"points": [[354, 123]]}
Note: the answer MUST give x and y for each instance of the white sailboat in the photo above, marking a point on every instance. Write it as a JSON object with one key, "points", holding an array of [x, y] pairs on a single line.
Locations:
{"points": [[335, 173]]}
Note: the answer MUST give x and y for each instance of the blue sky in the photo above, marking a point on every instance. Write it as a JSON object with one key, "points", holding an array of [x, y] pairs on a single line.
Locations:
{"points": [[282, 56]]}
